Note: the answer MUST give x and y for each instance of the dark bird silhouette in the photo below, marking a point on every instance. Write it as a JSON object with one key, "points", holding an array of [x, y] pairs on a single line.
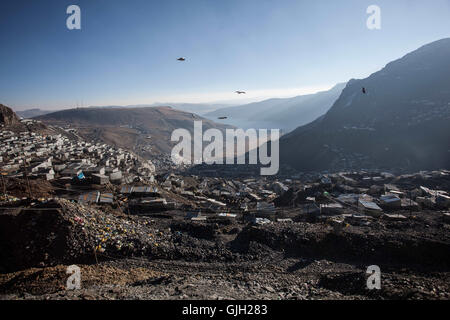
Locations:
{"points": [[181, 59], [221, 118], [364, 90], [240, 92]]}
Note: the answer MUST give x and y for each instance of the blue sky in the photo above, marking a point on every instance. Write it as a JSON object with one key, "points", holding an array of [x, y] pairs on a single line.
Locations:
{"points": [[126, 51]]}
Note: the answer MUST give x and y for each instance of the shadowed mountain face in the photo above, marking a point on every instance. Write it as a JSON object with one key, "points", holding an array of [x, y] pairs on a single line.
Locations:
{"points": [[285, 114], [403, 119], [146, 131], [7, 116], [10, 121]]}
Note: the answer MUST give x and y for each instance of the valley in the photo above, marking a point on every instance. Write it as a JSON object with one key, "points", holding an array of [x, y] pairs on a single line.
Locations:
{"points": [[364, 180]]}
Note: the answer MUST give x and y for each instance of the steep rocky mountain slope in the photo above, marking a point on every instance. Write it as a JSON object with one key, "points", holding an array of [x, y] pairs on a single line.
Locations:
{"points": [[401, 121], [10, 121], [7, 116]]}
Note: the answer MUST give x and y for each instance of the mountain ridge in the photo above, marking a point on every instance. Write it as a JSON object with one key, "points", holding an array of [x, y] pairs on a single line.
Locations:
{"points": [[145, 130], [282, 113], [401, 121]]}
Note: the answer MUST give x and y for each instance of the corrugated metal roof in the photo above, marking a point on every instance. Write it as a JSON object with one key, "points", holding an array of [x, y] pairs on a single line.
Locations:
{"points": [[106, 198], [370, 205], [126, 189], [141, 189], [264, 206], [138, 189], [89, 197]]}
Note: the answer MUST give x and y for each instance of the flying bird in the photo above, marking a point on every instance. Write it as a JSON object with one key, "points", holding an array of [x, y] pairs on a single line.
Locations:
{"points": [[364, 90], [181, 59], [240, 92], [221, 118]]}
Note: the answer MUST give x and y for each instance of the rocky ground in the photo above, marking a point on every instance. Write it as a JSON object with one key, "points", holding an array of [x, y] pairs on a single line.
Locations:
{"points": [[125, 257], [286, 278]]}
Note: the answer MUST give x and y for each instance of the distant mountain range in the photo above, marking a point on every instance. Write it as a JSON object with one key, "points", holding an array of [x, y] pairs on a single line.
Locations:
{"points": [[400, 120], [146, 131], [197, 108], [403, 119], [31, 113], [283, 113]]}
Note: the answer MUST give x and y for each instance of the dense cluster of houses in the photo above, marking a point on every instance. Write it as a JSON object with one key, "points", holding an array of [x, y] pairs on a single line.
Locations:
{"points": [[359, 196], [101, 174], [364, 195], [224, 197], [57, 157]]}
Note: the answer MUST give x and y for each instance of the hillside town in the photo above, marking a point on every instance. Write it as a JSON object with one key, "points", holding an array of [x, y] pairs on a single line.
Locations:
{"points": [[101, 174], [67, 200], [60, 159]]}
